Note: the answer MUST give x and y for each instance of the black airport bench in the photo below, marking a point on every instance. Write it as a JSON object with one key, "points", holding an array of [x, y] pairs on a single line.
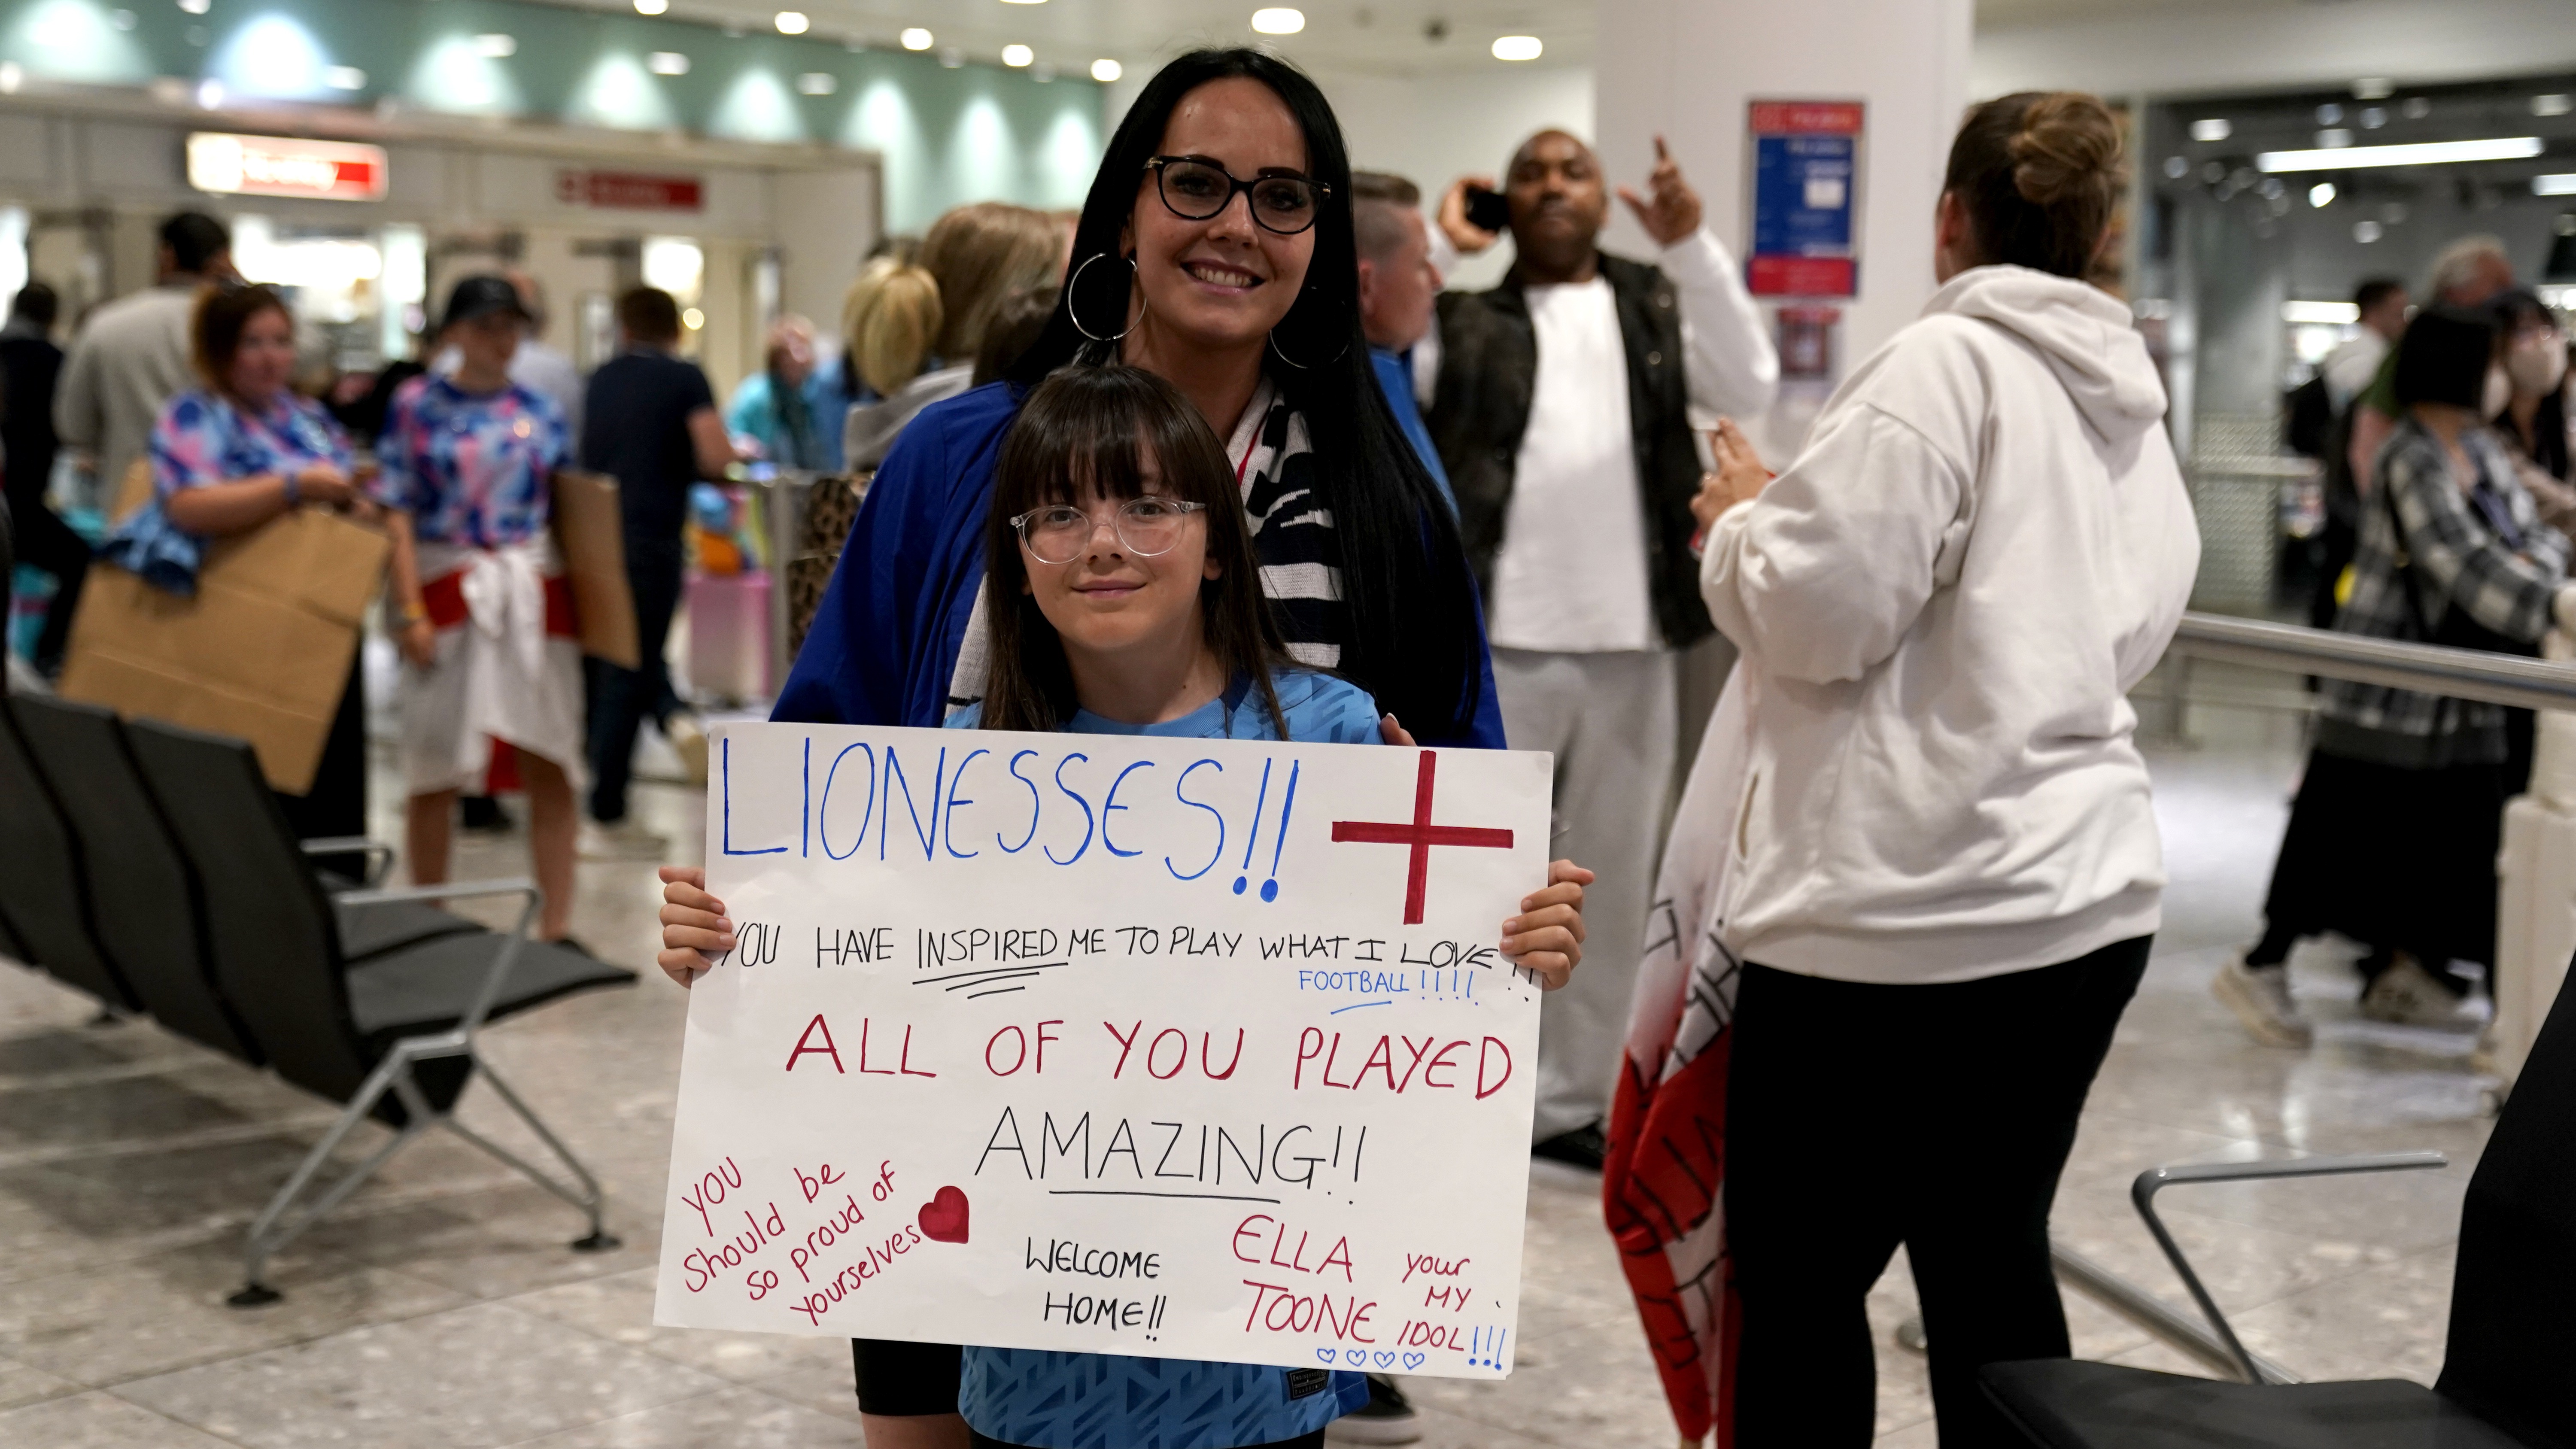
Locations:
{"points": [[149, 867]]}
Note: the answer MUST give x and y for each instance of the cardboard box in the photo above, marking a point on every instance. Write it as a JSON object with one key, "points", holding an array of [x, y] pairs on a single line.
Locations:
{"points": [[260, 653], [590, 533]]}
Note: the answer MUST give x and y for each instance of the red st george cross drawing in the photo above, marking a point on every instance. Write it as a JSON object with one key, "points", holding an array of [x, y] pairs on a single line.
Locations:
{"points": [[1420, 834]]}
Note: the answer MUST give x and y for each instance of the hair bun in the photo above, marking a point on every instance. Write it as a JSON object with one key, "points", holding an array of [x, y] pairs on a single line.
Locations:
{"points": [[2068, 145]]}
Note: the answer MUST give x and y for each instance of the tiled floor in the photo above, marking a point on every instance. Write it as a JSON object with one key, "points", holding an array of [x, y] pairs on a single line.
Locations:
{"points": [[440, 1307]]}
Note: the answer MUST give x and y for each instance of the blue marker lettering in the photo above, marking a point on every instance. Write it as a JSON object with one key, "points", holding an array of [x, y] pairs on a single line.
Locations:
{"points": [[1111, 803], [950, 808], [893, 778], [726, 770], [1219, 851], [823, 811], [1033, 806], [1078, 800]]}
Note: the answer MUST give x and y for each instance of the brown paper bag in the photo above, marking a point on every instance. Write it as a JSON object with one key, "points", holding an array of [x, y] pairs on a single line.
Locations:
{"points": [[262, 652], [591, 536]]}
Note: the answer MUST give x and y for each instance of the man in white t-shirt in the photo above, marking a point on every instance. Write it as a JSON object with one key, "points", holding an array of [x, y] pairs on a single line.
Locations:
{"points": [[1564, 409]]}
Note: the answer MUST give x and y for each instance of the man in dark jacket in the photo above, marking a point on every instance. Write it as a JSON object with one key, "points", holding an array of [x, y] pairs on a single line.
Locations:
{"points": [[1564, 407]]}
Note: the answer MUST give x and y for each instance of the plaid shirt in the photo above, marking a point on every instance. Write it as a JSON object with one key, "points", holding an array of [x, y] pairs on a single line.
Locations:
{"points": [[2481, 549]]}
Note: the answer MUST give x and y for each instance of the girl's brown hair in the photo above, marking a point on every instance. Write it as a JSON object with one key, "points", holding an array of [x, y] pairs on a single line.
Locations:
{"points": [[2039, 175], [1096, 432], [215, 332]]}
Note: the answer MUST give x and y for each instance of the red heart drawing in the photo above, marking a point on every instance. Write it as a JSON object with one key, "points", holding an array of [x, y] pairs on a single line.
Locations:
{"points": [[944, 1217]]}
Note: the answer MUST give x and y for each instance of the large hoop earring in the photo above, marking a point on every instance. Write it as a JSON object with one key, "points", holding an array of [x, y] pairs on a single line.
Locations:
{"points": [[1301, 367], [1074, 315]]}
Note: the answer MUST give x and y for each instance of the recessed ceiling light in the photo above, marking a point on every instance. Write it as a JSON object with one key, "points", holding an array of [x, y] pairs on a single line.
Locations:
{"points": [[210, 93], [1517, 47], [692, 318], [1105, 70], [1017, 55], [1279, 20], [2419, 153], [345, 78], [2322, 194], [2177, 167], [2557, 104], [496, 46], [2320, 314], [667, 62], [2215, 128], [791, 22], [2373, 117], [2365, 231], [915, 39], [1042, 73], [651, 7], [2374, 88], [951, 57], [2333, 138], [2561, 183], [196, 7], [2416, 108], [817, 83]]}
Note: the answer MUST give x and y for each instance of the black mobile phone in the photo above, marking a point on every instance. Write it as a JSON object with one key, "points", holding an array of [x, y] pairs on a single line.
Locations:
{"points": [[1487, 210]]}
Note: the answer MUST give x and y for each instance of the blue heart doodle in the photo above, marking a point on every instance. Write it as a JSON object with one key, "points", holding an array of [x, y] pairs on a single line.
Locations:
{"points": [[1324, 1354], [1355, 1357], [1385, 1358], [1413, 1360]]}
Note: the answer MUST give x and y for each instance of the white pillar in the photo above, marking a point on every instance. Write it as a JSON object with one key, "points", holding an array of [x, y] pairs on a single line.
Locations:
{"points": [[1687, 68]]}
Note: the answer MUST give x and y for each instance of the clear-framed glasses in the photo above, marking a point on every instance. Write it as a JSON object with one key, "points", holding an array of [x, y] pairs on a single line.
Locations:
{"points": [[1059, 532], [1195, 189]]}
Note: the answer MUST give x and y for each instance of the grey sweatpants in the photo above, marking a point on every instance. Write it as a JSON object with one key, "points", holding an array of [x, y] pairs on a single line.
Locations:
{"points": [[1610, 720]]}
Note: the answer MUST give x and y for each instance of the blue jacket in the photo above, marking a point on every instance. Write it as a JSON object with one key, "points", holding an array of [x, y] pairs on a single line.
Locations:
{"points": [[1395, 379], [886, 638]]}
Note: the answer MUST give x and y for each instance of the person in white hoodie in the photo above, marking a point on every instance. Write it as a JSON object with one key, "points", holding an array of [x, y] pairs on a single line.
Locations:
{"points": [[1946, 873]]}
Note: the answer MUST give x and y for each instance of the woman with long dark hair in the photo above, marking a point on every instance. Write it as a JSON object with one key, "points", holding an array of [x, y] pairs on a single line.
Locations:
{"points": [[1215, 251]]}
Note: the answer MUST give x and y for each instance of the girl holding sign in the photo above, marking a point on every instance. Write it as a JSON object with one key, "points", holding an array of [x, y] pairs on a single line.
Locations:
{"points": [[1124, 597]]}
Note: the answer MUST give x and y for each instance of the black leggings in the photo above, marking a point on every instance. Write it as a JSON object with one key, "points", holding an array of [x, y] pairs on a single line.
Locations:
{"points": [[1859, 1117]]}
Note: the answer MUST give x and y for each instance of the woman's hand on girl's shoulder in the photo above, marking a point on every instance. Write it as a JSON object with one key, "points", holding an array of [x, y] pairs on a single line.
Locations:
{"points": [[1547, 936], [695, 932]]}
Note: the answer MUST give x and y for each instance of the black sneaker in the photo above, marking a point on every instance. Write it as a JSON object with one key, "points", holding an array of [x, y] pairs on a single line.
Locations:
{"points": [[1388, 1419], [1584, 1147]]}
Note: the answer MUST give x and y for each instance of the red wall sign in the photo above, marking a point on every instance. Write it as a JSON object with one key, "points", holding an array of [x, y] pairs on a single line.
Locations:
{"points": [[630, 191], [285, 166]]}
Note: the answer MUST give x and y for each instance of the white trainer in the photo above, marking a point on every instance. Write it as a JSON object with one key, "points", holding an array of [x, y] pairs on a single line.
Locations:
{"points": [[625, 840], [2407, 995], [2260, 997], [689, 741]]}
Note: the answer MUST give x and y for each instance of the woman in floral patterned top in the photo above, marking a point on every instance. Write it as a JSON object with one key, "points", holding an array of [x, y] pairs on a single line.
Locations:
{"points": [[234, 454], [487, 627]]}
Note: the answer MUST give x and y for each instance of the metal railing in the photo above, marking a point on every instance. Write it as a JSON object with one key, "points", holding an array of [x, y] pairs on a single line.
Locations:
{"points": [[2430, 668]]}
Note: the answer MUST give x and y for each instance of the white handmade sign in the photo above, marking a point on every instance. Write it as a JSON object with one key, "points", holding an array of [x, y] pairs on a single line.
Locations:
{"points": [[1170, 1048]]}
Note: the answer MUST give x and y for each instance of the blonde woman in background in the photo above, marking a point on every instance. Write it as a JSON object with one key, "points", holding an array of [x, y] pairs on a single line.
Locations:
{"points": [[973, 258]]}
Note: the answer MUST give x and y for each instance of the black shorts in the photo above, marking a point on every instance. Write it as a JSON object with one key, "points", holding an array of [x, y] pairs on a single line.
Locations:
{"points": [[904, 1380]]}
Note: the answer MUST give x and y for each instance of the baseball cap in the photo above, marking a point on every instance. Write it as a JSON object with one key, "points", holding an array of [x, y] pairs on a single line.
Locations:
{"points": [[480, 297]]}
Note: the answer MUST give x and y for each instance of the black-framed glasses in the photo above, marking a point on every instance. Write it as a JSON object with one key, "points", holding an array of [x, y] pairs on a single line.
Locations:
{"points": [[1196, 189], [1147, 526]]}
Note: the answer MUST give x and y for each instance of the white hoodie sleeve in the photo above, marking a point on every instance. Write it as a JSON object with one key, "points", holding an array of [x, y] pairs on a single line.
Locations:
{"points": [[1823, 574]]}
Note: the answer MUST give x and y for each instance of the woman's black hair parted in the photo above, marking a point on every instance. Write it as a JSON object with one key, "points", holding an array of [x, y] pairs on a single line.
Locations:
{"points": [[1098, 432], [1404, 576]]}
